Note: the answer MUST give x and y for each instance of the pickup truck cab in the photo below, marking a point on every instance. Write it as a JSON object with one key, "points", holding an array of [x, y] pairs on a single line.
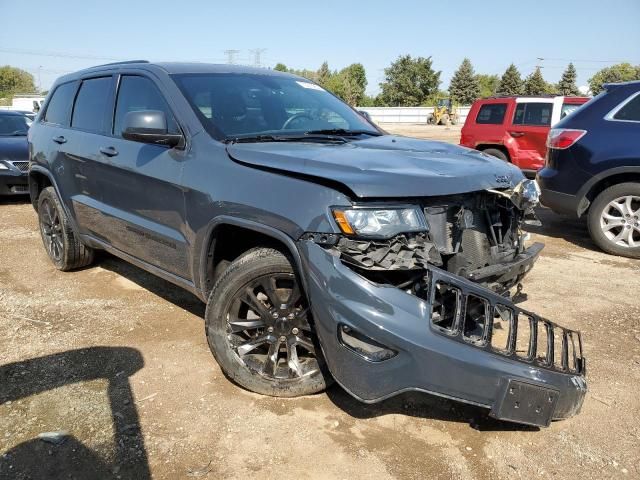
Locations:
{"points": [[515, 129]]}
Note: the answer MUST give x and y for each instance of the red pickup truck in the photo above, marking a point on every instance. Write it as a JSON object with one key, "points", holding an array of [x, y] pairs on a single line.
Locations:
{"points": [[515, 128]]}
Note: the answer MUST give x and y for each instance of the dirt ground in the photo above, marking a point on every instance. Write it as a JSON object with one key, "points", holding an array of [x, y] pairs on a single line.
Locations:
{"points": [[114, 361]]}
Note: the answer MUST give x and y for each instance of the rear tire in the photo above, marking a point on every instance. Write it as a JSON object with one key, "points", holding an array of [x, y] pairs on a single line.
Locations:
{"points": [[63, 246], [494, 152], [614, 220], [259, 328]]}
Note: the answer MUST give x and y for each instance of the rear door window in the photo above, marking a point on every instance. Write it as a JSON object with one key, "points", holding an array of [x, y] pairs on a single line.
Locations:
{"points": [[491, 113], [568, 108], [60, 104], [138, 93], [89, 111], [533, 113], [630, 111]]}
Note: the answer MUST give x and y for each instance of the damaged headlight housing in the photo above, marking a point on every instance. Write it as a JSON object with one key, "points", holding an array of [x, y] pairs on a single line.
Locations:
{"points": [[526, 194], [379, 222]]}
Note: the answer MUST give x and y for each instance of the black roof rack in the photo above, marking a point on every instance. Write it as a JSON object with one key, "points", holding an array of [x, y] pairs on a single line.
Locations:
{"points": [[124, 62]]}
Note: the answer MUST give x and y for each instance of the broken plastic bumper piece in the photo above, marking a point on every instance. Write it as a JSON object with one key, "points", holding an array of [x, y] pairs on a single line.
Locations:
{"points": [[454, 339]]}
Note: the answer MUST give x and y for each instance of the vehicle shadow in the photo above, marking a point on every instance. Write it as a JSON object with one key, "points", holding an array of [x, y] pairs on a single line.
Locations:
{"points": [[422, 405], [156, 285], [14, 199], [63, 455], [569, 228]]}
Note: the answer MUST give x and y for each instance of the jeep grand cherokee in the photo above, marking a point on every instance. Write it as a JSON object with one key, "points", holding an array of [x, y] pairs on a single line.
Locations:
{"points": [[324, 248]]}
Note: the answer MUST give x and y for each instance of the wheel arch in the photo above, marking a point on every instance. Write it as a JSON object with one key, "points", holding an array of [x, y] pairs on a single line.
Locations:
{"points": [[600, 182], [228, 237], [39, 179], [498, 146]]}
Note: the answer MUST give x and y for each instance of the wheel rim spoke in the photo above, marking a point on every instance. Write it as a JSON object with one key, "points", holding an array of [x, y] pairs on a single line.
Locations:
{"points": [[293, 361], [240, 325], [251, 345], [271, 360], [254, 303]]}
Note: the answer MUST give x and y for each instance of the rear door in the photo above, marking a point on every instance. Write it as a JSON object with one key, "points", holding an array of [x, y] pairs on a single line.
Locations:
{"points": [[140, 183], [488, 125], [78, 150], [529, 128]]}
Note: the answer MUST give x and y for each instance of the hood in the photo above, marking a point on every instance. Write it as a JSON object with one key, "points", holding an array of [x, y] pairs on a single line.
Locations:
{"points": [[14, 148], [386, 166]]}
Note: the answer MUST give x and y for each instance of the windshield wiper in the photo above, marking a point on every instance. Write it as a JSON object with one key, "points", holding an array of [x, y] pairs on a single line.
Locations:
{"points": [[343, 132], [283, 138]]}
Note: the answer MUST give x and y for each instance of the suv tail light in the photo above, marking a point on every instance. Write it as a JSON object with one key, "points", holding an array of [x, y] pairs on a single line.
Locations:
{"points": [[561, 138]]}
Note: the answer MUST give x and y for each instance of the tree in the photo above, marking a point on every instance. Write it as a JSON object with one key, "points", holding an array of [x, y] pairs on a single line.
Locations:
{"points": [[464, 87], [488, 84], [567, 84], [511, 82], [324, 74], [14, 80], [281, 67], [354, 83], [409, 82], [622, 72], [536, 85]]}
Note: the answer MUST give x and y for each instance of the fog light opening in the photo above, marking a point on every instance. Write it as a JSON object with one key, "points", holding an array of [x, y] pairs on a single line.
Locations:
{"points": [[364, 346]]}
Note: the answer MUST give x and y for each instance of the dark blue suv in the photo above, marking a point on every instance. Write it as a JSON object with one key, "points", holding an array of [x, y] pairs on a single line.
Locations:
{"points": [[593, 168]]}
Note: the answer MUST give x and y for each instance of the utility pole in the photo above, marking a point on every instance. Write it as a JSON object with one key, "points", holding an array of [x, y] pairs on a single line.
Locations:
{"points": [[257, 53], [540, 60], [231, 56]]}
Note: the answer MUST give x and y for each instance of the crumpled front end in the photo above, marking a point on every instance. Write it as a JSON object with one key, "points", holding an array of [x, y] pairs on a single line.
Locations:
{"points": [[441, 334]]}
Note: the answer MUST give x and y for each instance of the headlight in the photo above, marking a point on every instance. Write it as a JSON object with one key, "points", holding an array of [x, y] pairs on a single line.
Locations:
{"points": [[526, 194], [379, 222], [3, 166]]}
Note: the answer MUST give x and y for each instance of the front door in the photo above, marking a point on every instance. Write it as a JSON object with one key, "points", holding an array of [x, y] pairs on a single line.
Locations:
{"points": [[140, 184]]}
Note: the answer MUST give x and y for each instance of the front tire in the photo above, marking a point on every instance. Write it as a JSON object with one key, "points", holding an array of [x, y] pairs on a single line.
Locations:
{"points": [[63, 246], [259, 328], [614, 220]]}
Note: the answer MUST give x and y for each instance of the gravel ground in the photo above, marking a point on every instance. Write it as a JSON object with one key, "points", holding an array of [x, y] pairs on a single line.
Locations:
{"points": [[114, 362]]}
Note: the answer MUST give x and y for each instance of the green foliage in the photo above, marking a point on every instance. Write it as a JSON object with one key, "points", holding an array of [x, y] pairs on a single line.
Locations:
{"points": [[567, 84], [464, 88], [367, 101], [535, 84], [324, 76], [353, 80], [14, 80], [409, 82], [281, 67], [488, 84], [511, 82], [622, 72]]}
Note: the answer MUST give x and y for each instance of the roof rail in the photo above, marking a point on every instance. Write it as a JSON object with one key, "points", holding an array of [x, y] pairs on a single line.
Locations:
{"points": [[124, 62]]}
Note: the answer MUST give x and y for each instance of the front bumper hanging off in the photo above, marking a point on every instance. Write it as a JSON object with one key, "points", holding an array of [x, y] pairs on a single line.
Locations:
{"points": [[531, 384]]}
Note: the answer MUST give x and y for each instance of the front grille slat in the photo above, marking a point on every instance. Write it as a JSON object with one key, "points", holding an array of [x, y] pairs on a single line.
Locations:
{"points": [[560, 348]]}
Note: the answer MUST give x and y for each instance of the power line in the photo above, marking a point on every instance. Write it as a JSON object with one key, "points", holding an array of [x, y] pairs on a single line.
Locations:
{"points": [[257, 53], [231, 55]]}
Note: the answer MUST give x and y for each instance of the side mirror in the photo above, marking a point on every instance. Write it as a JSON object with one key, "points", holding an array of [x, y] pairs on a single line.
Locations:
{"points": [[149, 126], [365, 114]]}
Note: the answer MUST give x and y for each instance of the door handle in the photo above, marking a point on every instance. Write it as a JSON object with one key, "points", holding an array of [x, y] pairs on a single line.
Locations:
{"points": [[109, 151], [516, 134], [60, 139]]}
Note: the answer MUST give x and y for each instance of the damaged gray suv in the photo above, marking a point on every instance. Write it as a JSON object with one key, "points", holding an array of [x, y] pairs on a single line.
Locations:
{"points": [[325, 248]]}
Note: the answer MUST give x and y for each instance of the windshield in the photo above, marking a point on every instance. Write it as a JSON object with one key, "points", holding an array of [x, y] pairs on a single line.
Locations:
{"points": [[233, 105], [13, 125]]}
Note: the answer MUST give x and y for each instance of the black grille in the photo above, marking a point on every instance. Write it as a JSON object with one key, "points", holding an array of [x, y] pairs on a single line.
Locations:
{"points": [[471, 314], [23, 166]]}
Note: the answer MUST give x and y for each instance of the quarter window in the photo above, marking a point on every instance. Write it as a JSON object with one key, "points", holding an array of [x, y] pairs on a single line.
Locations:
{"points": [[537, 114], [492, 113], [631, 111], [58, 109], [139, 93], [90, 108]]}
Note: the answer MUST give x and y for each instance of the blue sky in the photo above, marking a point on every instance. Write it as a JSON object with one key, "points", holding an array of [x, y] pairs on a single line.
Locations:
{"points": [[74, 34]]}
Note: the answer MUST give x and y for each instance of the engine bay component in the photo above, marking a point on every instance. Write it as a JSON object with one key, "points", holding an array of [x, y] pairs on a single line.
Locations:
{"points": [[403, 252]]}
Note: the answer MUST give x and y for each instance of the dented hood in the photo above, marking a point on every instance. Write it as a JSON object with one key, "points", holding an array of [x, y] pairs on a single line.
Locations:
{"points": [[386, 166]]}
